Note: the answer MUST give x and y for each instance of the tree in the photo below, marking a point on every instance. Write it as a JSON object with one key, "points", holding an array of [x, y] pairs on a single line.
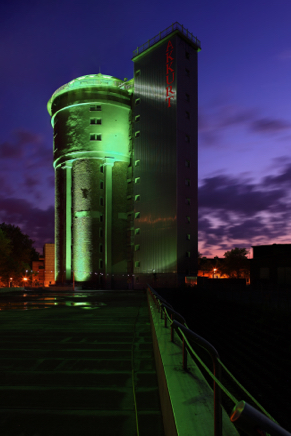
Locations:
{"points": [[236, 263], [16, 253], [5, 251]]}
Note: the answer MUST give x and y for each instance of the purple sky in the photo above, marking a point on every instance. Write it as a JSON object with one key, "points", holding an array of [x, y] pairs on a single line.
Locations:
{"points": [[244, 105]]}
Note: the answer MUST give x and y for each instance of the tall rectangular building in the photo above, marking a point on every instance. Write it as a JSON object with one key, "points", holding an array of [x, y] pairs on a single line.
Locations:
{"points": [[165, 117]]}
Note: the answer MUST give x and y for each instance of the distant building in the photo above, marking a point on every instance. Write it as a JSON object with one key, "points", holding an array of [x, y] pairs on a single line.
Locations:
{"points": [[271, 265], [45, 267], [38, 272], [125, 159]]}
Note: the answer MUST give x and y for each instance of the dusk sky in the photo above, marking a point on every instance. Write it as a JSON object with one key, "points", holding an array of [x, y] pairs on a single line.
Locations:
{"points": [[244, 89]]}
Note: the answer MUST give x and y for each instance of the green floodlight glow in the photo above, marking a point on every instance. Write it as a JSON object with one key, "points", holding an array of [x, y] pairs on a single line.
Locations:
{"points": [[81, 148], [92, 80]]}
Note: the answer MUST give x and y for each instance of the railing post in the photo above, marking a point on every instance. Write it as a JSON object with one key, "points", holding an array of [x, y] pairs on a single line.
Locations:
{"points": [[217, 399], [184, 355], [165, 318], [172, 329]]}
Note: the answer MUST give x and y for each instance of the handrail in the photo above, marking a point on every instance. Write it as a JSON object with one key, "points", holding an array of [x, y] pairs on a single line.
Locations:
{"points": [[246, 417], [254, 422], [216, 371], [164, 33], [174, 315]]}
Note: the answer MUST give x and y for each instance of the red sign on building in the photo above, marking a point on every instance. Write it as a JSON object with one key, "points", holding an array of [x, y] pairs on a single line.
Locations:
{"points": [[170, 73]]}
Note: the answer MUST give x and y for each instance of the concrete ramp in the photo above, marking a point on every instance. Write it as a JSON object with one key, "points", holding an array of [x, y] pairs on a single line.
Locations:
{"points": [[77, 364]]}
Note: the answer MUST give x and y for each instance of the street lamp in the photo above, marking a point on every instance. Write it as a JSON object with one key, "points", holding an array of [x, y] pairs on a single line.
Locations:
{"points": [[214, 271]]}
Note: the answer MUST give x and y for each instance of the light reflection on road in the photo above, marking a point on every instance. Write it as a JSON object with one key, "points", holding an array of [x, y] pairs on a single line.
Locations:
{"points": [[32, 300]]}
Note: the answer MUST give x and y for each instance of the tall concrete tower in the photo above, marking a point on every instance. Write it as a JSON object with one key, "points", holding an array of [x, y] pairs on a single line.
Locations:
{"points": [[92, 148]]}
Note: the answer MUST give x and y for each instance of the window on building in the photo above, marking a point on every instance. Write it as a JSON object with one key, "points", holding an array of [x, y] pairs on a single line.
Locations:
{"points": [[101, 169], [95, 121], [188, 237], [137, 101], [187, 163], [187, 97], [100, 248], [101, 218], [137, 263], [137, 214], [101, 184], [100, 263], [137, 118], [187, 138], [187, 253], [264, 273], [187, 115], [100, 232], [187, 55], [137, 247], [101, 201], [95, 137], [187, 72], [136, 163], [137, 134], [136, 231], [95, 108], [137, 180], [188, 201], [137, 73], [188, 219], [187, 182], [137, 198]]}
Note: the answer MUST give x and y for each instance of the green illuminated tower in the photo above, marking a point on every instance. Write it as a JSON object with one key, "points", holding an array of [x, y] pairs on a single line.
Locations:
{"points": [[127, 210], [91, 118]]}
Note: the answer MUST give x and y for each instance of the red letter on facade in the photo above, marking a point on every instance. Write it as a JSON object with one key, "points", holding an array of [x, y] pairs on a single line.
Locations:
{"points": [[170, 46], [173, 78]]}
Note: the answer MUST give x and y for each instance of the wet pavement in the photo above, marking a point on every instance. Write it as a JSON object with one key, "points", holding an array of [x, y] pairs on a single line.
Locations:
{"points": [[77, 363]]}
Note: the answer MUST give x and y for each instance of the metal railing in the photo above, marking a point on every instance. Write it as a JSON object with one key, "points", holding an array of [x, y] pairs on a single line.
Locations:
{"points": [[163, 34], [246, 417]]}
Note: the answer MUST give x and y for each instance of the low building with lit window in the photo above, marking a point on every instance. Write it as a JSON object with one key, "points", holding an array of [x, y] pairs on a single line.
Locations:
{"points": [[271, 266]]}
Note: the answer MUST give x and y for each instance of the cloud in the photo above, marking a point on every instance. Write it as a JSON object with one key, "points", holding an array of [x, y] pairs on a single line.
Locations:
{"points": [[268, 125], [234, 210], [216, 122], [17, 148], [37, 223], [31, 182], [236, 195], [280, 179]]}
